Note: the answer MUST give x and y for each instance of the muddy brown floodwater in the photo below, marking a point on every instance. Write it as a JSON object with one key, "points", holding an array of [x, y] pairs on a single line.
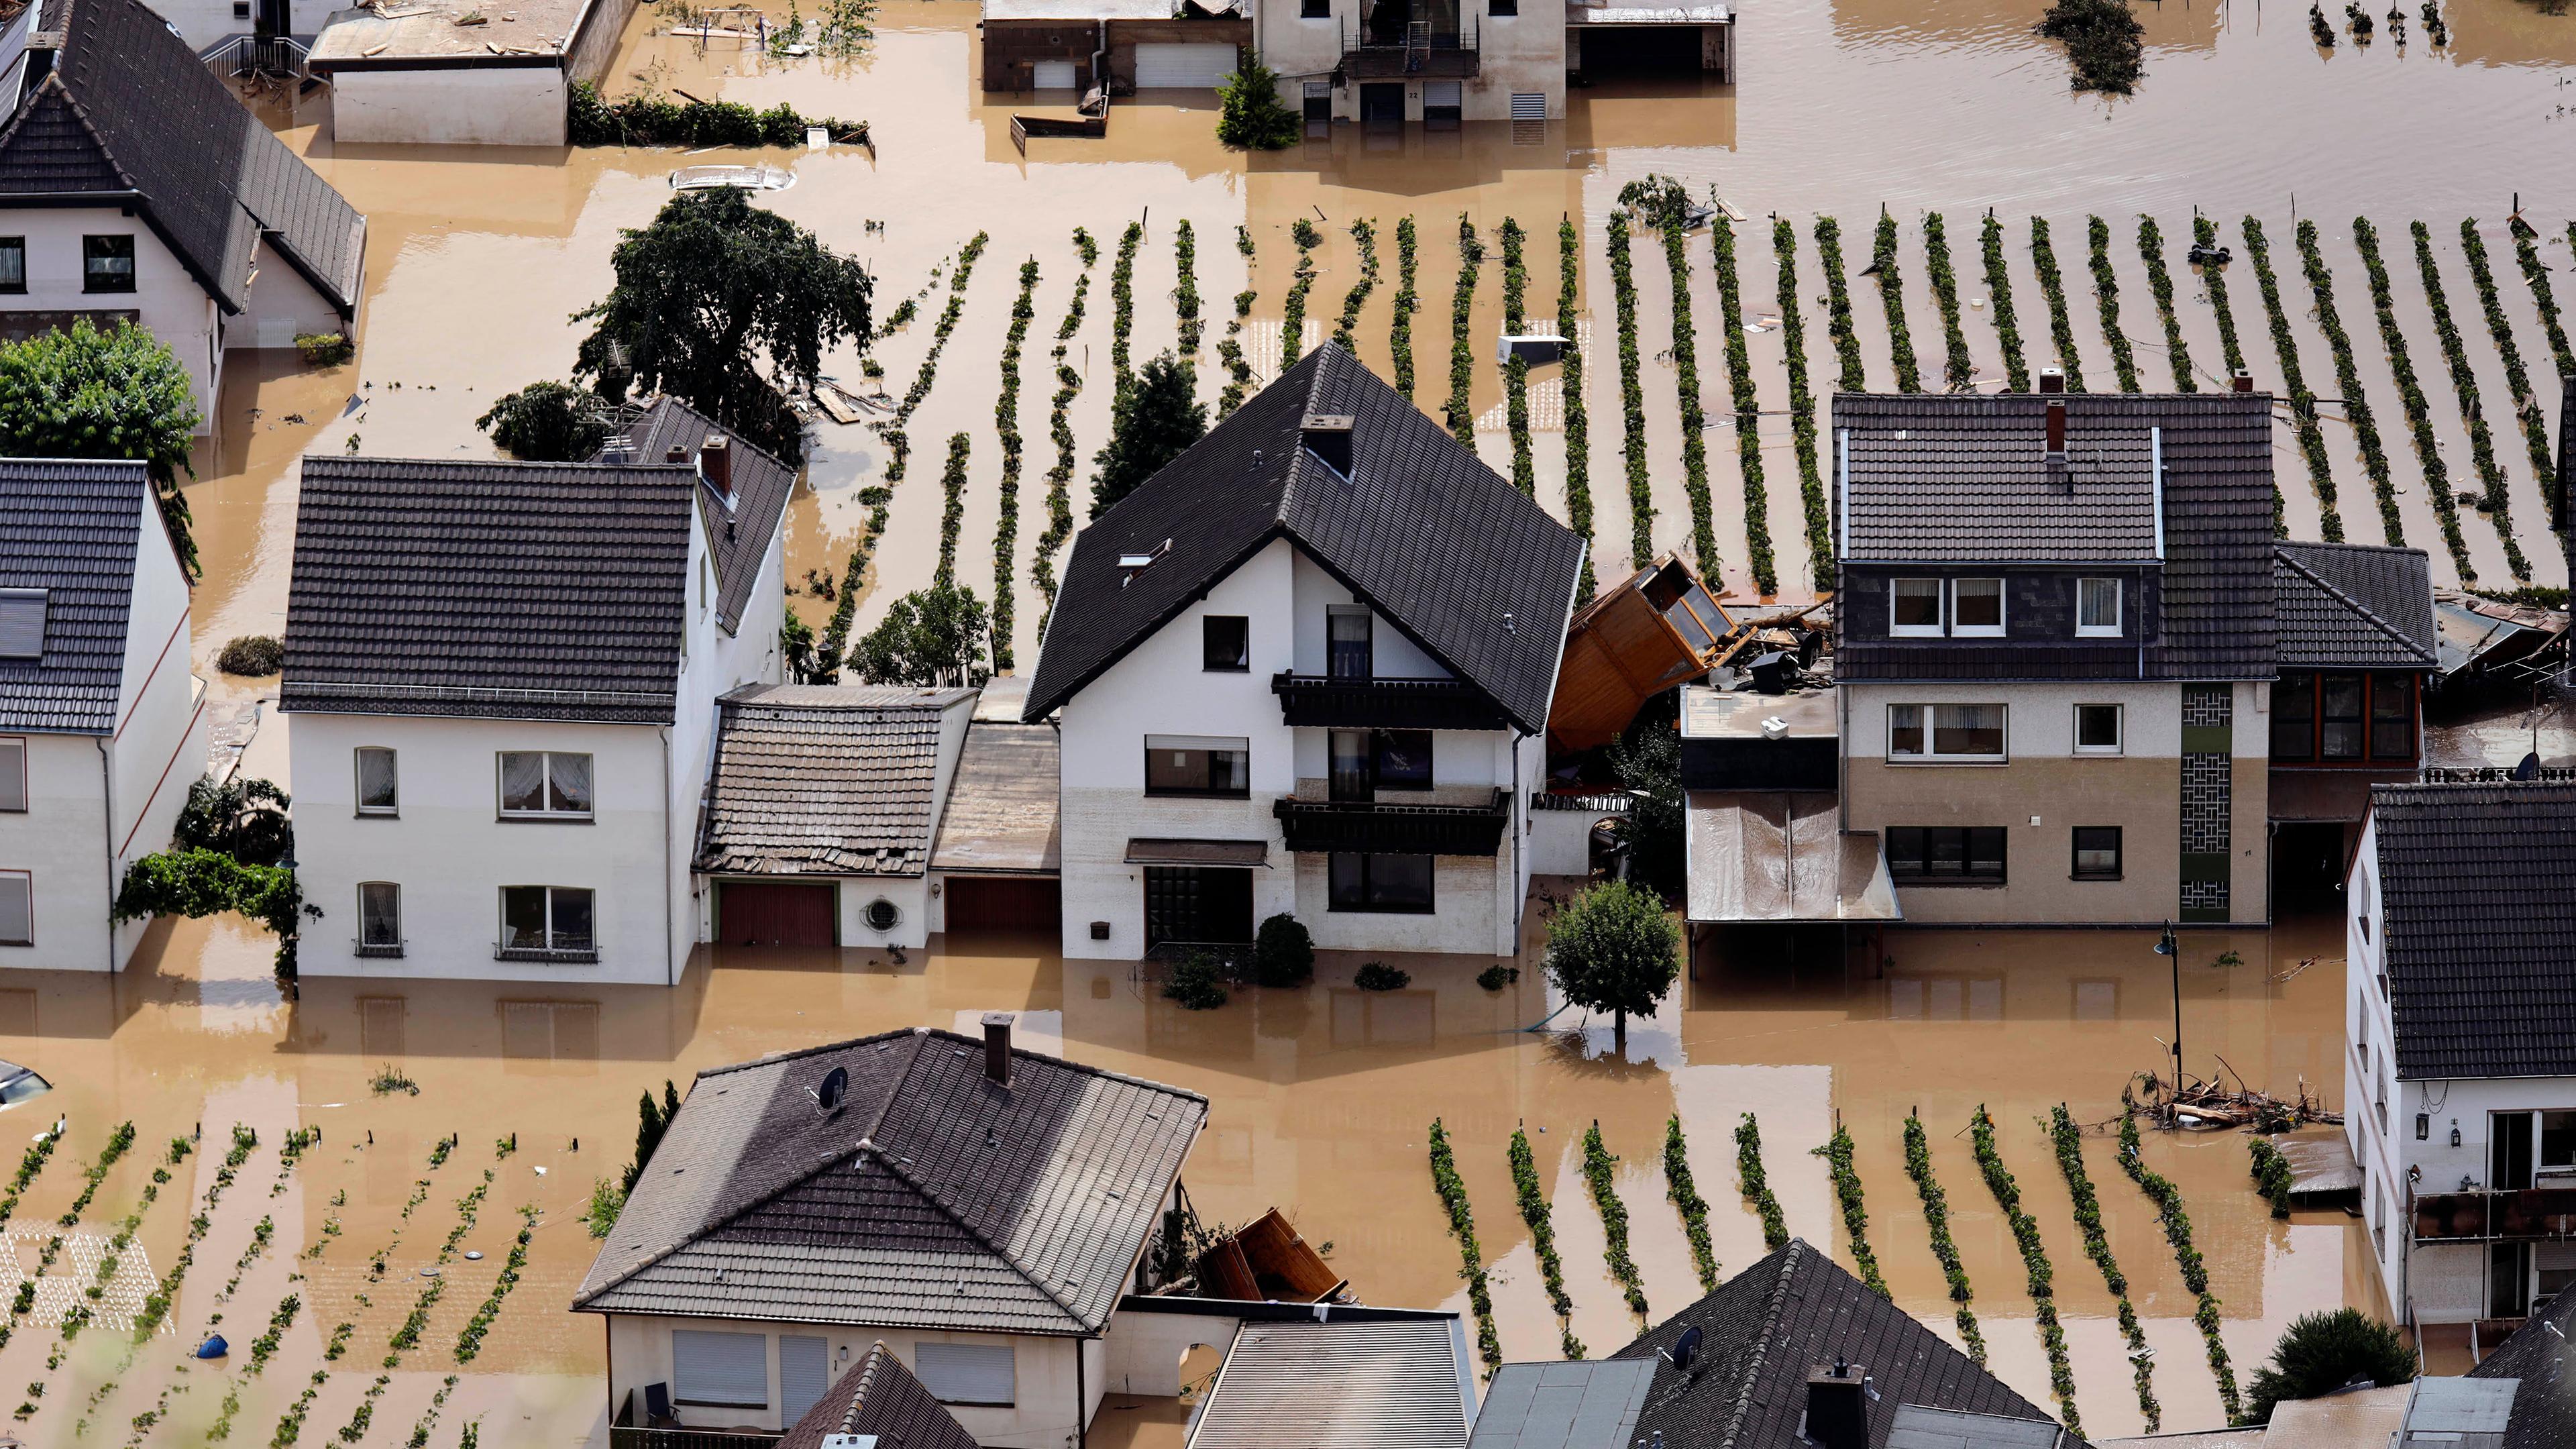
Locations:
{"points": [[1321, 1100]]}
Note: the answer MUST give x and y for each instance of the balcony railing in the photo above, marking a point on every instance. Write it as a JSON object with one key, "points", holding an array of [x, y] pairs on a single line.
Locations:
{"points": [[1384, 704], [2530, 1214], [621, 1436], [1341, 825], [1420, 53], [242, 57]]}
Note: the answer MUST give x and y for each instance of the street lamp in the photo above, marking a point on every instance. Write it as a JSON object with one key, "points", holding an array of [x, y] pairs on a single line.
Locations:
{"points": [[2168, 949]]}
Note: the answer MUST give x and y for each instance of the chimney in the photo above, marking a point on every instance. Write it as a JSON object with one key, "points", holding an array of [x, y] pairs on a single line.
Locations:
{"points": [[1328, 437], [2057, 430], [2243, 380], [997, 1047], [715, 464], [675, 454], [2051, 380], [1838, 1406]]}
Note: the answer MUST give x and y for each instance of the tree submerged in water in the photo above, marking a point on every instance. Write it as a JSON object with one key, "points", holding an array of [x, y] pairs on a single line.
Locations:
{"points": [[1250, 115], [2104, 42]]}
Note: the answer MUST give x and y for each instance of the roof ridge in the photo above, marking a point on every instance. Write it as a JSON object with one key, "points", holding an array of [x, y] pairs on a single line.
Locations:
{"points": [[2349, 546], [922, 1191], [1792, 1254], [2353, 604], [1084, 1067], [737, 439], [54, 81], [776, 1057]]}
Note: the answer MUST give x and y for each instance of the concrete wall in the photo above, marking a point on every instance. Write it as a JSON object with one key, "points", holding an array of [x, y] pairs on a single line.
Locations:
{"points": [[595, 37], [462, 106], [2138, 790], [1560, 842], [639, 1353], [173, 305]]}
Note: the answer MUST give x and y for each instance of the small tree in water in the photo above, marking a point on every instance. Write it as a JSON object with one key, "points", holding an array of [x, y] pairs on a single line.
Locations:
{"points": [[933, 637], [2104, 42], [549, 422], [1613, 949], [2322, 1352], [723, 305], [1250, 114], [1153, 422], [114, 394]]}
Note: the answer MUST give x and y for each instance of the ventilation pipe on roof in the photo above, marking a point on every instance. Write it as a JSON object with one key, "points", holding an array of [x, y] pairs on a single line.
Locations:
{"points": [[2243, 380], [1838, 1405], [675, 454], [997, 1047], [1328, 437]]}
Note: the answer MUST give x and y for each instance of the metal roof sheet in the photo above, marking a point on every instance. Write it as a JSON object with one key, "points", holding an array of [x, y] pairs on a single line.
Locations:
{"points": [[1002, 803], [1579, 1404], [1341, 1386]]}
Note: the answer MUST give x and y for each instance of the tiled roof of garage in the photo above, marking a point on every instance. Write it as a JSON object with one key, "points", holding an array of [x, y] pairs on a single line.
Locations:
{"points": [[822, 779]]}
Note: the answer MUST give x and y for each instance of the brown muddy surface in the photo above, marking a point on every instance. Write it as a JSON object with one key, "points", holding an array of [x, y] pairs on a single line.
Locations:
{"points": [[1320, 1103]]}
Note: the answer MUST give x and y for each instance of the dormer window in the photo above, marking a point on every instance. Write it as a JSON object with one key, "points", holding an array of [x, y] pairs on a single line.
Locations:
{"points": [[2097, 608], [1977, 606], [1914, 608]]}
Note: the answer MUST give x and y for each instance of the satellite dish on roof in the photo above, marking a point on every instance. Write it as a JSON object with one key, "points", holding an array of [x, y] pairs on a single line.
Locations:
{"points": [[1686, 1347], [2529, 769], [836, 1085]]}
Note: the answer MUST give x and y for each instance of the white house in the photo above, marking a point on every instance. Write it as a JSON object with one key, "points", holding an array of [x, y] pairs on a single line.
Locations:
{"points": [[102, 728], [503, 681], [1306, 668], [135, 188], [976, 1210], [2460, 1076]]}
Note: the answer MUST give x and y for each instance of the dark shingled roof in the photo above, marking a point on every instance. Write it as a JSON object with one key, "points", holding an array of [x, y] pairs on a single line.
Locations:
{"points": [[823, 779], [71, 529], [1965, 484], [2478, 930], [1443, 546], [128, 111], [495, 590], [740, 536], [930, 1198], [2351, 605], [2542, 1356], [1765, 1328], [879, 1396]]}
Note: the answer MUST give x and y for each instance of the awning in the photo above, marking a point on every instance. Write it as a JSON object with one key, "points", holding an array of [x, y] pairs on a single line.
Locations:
{"points": [[1198, 852], [1780, 857]]}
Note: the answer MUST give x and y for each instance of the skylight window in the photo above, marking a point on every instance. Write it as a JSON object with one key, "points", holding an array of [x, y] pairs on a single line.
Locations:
{"points": [[22, 623]]}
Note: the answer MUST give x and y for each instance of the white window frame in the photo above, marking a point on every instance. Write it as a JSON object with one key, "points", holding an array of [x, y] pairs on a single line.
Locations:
{"points": [[1994, 630], [2118, 605], [2119, 730], [29, 877], [500, 784], [396, 944], [1940, 609], [1930, 718], [357, 762], [13, 750], [551, 946]]}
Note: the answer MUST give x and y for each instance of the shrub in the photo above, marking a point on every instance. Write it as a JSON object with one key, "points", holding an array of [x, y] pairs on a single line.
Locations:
{"points": [[325, 349], [1999, 292], [1956, 367], [2104, 43], [2068, 1139], [2106, 301], [1462, 1223], [1891, 297], [1006, 427], [2464, 386], [2035, 1266], [1632, 399], [2052, 288], [2151, 250], [1748, 414], [2322, 1352], [1516, 411], [2410, 396], [1683, 1189], [1407, 302], [1599, 1175], [1838, 314], [1283, 952], [253, 656], [1365, 235], [607, 1200], [1936, 1220], [2356, 407], [1462, 351], [1578, 422], [1379, 976], [1686, 386], [1498, 976], [1534, 1211], [1755, 1184], [549, 422], [2517, 379], [649, 118], [1196, 981], [1250, 115], [2303, 403]]}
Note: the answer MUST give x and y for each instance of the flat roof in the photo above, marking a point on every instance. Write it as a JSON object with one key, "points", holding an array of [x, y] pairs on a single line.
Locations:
{"points": [[1737, 714], [1001, 812], [1081, 9], [512, 32], [1580, 1404], [1649, 14]]}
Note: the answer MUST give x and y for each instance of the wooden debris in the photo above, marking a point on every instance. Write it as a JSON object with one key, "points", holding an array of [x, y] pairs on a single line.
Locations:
{"points": [[2206, 1106]]}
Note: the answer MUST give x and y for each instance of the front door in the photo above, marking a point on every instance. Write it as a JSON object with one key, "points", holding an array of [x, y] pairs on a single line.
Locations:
{"points": [[1382, 103], [2508, 1151], [1195, 904], [275, 17]]}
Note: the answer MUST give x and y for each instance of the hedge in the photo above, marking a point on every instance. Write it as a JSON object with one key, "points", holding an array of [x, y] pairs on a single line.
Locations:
{"points": [[2526, 403], [2068, 1140], [1366, 236], [2106, 300], [1837, 1153], [1632, 398], [1516, 413], [1599, 1176], [1542, 1226], [2464, 385], [1578, 422], [1462, 351], [1462, 1223], [1936, 1220], [1059, 500], [1185, 292], [2356, 408], [1683, 1189], [1006, 428], [1838, 313], [2035, 1267], [1891, 300], [1686, 388], [2195, 1271], [1407, 302], [651, 119], [1957, 366], [1755, 1184], [2151, 250], [2000, 301]]}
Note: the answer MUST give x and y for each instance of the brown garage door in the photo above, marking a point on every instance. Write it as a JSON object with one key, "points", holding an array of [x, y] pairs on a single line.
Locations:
{"points": [[774, 913], [1003, 903]]}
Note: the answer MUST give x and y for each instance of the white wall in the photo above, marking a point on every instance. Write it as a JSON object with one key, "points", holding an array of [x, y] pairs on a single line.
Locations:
{"points": [[1391, 655], [283, 306], [203, 22], [639, 1353], [713, 663], [62, 842], [468, 106], [1525, 53], [173, 306]]}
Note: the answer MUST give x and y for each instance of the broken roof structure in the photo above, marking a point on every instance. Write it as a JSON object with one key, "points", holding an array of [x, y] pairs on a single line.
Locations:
{"points": [[914, 1179], [111, 108], [827, 780]]}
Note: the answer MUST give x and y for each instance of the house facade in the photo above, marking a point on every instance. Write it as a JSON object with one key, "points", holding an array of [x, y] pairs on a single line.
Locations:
{"points": [[134, 188], [502, 680], [1439, 62], [1306, 669], [102, 727], [2460, 1069]]}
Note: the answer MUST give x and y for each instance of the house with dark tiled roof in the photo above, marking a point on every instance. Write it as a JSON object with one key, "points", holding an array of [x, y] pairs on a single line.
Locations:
{"points": [[501, 689], [2075, 669], [2460, 1074], [1306, 668], [102, 727], [878, 1400], [137, 189], [975, 1210]]}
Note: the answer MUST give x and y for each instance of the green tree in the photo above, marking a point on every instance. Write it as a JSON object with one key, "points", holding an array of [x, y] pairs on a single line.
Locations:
{"points": [[1152, 422], [2320, 1353], [1650, 765], [242, 818], [1283, 952], [549, 422], [1250, 114], [113, 394], [805, 665], [931, 637], [652, 1119], [1613, 949], [724, 305], [198, 882]]}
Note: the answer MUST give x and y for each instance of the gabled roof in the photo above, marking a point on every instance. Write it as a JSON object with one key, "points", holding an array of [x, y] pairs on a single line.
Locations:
{"points": [[73, 530], [879, 1397], [738, 536], [1385, 1385], [489, 590], [824, 779], [2539, 1357], [1765, 1328], [129, 111], [1958, 479], [2352, 605], [2478, 927], [1466, 566], [931, 1198]]}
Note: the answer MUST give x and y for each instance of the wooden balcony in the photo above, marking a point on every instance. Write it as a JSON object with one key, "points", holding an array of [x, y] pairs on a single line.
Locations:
{"points": [[1343, 825], [2477, 1216], [1384, 704]]}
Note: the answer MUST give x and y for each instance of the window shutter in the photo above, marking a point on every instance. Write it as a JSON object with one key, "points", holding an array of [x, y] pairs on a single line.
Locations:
{"points": [[804, 1366], [723, 1370], [964, 1373]]}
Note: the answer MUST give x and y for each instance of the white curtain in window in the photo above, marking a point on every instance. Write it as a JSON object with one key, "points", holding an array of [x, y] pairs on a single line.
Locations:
{"points": [[568, 783], [376, 780], [523, 780], [379, 914]]}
